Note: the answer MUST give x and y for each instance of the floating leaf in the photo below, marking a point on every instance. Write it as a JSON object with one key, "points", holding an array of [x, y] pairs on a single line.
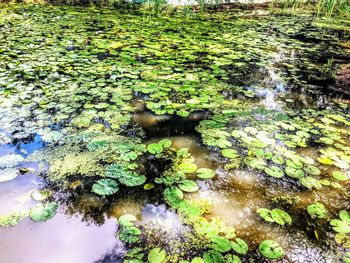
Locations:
{"points": [[310, 182], [197, 260], [221, 244], [129, 234], [165, 143], [265, 214], [317, 210], [12, 219], [212, 256], [240, 246], [188, 186], [127, 220], [155, 148], [105, 187], [270, 249], [124, 176], [281, 217], [188, 167], [156, 255], [229, 153], [43, 212], [205, 173], [294, 173], [274, 171], [340, 176], [313, 170], [340, 226]]}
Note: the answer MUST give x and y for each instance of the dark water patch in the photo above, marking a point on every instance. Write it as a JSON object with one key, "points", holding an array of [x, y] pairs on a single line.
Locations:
{"points": [[157, 126]]}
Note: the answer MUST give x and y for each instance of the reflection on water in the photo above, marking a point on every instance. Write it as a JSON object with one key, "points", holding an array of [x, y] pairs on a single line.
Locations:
{"points": [[162, 217], [58, 240]]}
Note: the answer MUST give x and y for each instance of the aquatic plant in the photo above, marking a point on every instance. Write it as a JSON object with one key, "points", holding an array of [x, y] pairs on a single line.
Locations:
{"points": [[317, 210], [43, 212], [12, 219], [271, 249], [105, 187]]}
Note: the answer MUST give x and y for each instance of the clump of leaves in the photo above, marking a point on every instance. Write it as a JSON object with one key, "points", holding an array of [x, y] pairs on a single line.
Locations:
{"points": [[275, 215], [128, 232], [157, 148], [12, 219], [124, 176], [341, 225]]}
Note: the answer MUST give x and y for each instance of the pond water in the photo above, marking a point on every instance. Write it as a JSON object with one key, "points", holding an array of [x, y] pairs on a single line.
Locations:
{"points": [[219, 137]]}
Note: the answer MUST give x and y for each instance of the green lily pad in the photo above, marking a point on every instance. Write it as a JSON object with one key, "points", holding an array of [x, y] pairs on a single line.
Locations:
{"points": [[205, 173], [313, 170], [229, 153], [240, 246], [255, 163], [340, 226], [165, 143], [317, 210], [105, 187], [212, 256], [188, 186], [265, 214], [156, 255], [188, 167], [294, 173], [340, 176], [310, 182], [127, 220], [271, 249], [274, 171], [43, 212], [281, 217], [155, 148], [129, 234]]}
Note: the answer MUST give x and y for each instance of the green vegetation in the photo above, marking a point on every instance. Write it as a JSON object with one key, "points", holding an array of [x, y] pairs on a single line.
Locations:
{"points": [[227, 123]]}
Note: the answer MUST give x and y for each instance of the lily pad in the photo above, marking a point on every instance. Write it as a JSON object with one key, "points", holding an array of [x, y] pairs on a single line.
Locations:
{"points": [[188, 167], [271, 249], [317, 210], [205, 173], [155, 148], [340, 176], [274, 171], [43, 212], [188, 186], [294, 173], [281, 217], [221, 244], [127, 220], [156, 255], [229, 153], [105, 187], [240, 246]]}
